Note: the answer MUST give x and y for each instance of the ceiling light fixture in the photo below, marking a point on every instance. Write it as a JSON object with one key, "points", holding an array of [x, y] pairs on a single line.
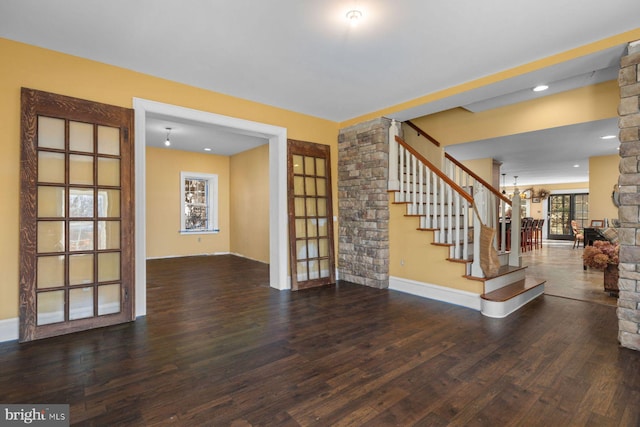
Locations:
{"points": [[608, 137], [207, 149], [576, 166], [167, 142], [540, 88], [354, 17]]}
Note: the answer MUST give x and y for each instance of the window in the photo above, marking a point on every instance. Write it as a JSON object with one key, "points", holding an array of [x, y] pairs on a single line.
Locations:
{"points": [[199, 203]]}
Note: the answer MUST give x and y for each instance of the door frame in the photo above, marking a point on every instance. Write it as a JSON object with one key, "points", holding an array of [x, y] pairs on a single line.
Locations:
{"points": [[545, 207], [278, 225]]}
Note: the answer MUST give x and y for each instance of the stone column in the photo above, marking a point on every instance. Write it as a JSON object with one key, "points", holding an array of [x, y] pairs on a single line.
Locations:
{"points": [[363, 165], [629, 211]]}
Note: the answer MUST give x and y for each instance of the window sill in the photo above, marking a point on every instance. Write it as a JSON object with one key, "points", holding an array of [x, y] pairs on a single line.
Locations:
{"points": [[199, 231]]}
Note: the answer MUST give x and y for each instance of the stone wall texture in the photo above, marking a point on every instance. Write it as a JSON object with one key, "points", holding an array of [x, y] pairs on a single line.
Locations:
{"points": [[629, 211], [363, 167]]}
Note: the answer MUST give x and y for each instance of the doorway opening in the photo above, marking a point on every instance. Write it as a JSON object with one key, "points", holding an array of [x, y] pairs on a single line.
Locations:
{"points": [[563, 208], [277, 137]]}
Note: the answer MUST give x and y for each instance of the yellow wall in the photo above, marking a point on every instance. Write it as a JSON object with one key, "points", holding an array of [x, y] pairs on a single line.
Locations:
{"points": [[250, 203], [482, 167], [581, 105], [163, 203], [603, 175], [28, 66], [422, 145]]}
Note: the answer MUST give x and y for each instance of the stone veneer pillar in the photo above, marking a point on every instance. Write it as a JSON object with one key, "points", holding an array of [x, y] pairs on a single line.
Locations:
{"points": [[363, 165], [629, 211]]}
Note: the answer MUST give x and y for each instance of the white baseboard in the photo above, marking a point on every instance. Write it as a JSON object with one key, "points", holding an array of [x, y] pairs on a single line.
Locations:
{"points": [[9, 329], [185, 256], [243, 256], [436, 292]]}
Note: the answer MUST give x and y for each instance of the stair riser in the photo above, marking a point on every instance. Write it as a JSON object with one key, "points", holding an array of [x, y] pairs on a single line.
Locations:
{"points": [[498, 282], [504, 308]]}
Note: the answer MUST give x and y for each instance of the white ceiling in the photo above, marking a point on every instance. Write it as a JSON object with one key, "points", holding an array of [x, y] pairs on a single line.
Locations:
{"points": [[304, 56], [545, 157], [195, 136]]}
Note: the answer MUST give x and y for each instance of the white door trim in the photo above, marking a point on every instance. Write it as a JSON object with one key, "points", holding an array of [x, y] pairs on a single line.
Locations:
{"points": [[278, 237]]}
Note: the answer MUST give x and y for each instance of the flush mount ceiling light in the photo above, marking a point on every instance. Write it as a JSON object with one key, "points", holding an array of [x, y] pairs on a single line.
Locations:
{"points": [[607, 137], [167, 142], [540, 88], [207, 149], [576, 166], [354, 17]]}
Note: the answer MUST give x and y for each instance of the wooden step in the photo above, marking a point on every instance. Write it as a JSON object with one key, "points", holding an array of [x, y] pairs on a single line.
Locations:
{"points": [[514, 289], [508, 299]]}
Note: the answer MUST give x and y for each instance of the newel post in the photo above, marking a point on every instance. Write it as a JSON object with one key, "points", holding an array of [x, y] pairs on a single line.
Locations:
{"points": [[479, 200], [515, 260], [394, 183]]}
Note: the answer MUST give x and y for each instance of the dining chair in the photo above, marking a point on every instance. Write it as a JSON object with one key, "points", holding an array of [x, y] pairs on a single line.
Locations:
{"points": [[578, 234]]}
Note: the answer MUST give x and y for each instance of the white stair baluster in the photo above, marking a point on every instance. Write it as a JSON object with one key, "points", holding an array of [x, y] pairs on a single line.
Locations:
{"points": [[465, 235], [421, 186], [456, 252], [414, 183], [442, 211], [401, 172], [429, 199]]}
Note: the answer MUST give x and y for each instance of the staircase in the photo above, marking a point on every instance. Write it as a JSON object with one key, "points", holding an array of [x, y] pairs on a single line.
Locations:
{"points": [[443, 204]]}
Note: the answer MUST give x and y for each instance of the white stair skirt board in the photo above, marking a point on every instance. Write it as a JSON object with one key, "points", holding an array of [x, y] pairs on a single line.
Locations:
{"points": [[436, 292], [9, 329], [500, 309]]}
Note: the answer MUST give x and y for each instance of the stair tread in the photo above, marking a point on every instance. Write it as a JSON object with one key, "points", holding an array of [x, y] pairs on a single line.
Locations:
{"points": [[504, 270], [514, 289], [460, 260]]}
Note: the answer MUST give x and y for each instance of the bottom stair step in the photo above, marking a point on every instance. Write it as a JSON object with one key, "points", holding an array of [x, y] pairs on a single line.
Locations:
{"points": [[506, 300]]}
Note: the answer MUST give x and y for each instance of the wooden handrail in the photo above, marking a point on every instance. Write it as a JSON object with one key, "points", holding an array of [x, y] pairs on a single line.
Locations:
{"points": [[435, 170], [423, 133], [477, 178], [460, 165]]}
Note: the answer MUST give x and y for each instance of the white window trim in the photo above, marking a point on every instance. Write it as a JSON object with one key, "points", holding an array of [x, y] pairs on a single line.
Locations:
{"points": [[213, 202]]}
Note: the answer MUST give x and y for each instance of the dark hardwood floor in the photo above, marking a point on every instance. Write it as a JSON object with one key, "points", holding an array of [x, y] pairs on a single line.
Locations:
{"points": [[219, 347]]}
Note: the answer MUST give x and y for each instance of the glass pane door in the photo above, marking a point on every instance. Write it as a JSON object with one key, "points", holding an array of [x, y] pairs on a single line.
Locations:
{"points": [[562, 209], [79, 185], [310, 215]]}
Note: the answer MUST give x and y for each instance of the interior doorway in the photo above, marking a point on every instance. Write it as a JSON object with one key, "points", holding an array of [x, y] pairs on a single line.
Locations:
{"points": [[277, 137]]}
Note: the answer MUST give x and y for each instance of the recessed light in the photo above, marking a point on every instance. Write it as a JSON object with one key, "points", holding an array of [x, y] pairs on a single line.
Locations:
{"points": [[608, 137], [207, 149], [540, 88], [576, 166]]}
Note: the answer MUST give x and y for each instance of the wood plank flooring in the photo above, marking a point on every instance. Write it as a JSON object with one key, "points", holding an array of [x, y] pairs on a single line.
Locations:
{"points": [[220, 348]]}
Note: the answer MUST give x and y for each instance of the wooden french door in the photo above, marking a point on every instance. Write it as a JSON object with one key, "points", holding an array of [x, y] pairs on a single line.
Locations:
{"points": [[76, 215], [310, 215]]}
